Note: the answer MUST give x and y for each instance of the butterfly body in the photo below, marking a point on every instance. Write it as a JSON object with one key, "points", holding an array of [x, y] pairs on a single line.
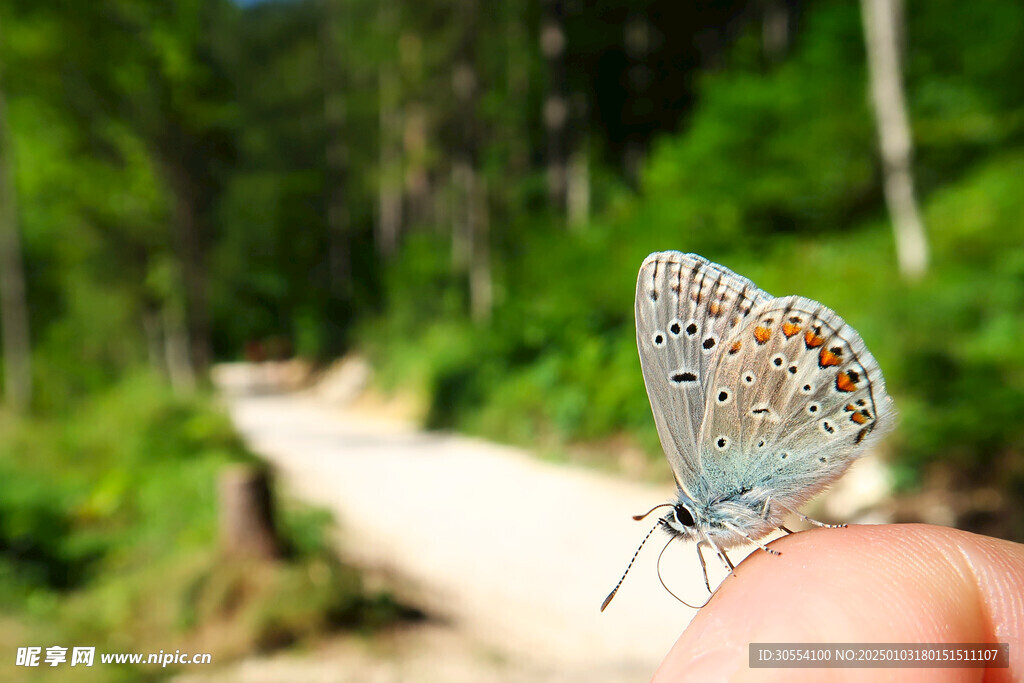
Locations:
{"points": [[760, 402], [743, 507]]}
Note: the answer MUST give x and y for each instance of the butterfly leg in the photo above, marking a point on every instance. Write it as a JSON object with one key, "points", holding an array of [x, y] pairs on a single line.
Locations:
{"points": [[766, 512], [812, 521], [747, 536], [722, 556], [703, 566], [822, 524], [729, 564]]}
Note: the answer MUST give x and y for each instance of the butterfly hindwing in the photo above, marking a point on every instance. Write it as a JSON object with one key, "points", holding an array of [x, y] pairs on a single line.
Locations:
{"points": [[686, 307], [794, 399]]}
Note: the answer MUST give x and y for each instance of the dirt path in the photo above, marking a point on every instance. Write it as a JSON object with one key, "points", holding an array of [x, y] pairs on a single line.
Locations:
{"points": [[514, 553]]}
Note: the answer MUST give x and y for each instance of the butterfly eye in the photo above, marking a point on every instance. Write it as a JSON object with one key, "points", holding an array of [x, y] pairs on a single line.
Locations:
{"points": [[683, 516]]}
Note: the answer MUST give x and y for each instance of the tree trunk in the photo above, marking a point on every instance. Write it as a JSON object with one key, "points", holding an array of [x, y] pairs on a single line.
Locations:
{"points": [[775, 28], [556, 105], [470, 238], [882, 35], [461, 180], [17, 351], [417, 181], [636, 41], [481, 294], [153, 330], [336, 153], [176, 348], [578, 196], [389, 185], [247, 528], [517, 89], [187, 237]]}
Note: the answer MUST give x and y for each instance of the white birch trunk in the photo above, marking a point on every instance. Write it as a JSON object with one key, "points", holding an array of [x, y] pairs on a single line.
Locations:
{"points": [[881, 33]]}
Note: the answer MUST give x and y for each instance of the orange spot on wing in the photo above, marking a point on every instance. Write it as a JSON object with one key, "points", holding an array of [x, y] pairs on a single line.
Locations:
{"points": [[827, 358], [843, 381], [735, 347], [813, 340], [859, 418], [789, 329], [715, 309], [850, 408], [762, 334]]}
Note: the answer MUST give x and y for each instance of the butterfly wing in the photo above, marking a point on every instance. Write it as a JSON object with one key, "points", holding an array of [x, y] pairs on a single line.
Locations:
{"points": [[796, 396], [685, 307]]}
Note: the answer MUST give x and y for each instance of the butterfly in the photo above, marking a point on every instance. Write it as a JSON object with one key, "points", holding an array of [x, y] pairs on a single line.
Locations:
{"points": [[760, 402]]}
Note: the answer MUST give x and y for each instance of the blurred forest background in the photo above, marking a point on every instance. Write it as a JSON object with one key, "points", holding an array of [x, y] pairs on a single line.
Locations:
{"points": [[464, 191]]}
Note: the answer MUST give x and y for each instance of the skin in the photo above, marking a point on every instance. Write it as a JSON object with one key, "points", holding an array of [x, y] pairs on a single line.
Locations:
{"points": [[909, 583]]}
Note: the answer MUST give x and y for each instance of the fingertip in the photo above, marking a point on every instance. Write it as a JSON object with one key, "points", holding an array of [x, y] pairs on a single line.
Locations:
{"points": [[895, 583]]}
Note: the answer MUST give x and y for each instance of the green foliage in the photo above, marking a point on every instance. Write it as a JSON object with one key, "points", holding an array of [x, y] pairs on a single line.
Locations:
{"points": [[960, 60], [108, 527], [776, 177], [766, 153], [34, 536], [964, 327], [171, 154], [125, 476], [548, 363]]}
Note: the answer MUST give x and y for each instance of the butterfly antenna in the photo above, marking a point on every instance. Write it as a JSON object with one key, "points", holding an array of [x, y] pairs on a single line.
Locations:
{"points": [[640, 517], [669, 589], [630, 565]]}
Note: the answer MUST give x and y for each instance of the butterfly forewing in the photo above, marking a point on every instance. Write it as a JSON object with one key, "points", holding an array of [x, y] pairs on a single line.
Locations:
{"points": [[795, 397], [686, 307]]}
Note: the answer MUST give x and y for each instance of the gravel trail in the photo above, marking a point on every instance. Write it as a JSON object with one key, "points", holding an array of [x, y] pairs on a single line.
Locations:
{"points": [[514, 553]]}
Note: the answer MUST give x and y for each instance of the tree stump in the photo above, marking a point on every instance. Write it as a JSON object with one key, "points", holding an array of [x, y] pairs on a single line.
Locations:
{"points": [[247, 527]]}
